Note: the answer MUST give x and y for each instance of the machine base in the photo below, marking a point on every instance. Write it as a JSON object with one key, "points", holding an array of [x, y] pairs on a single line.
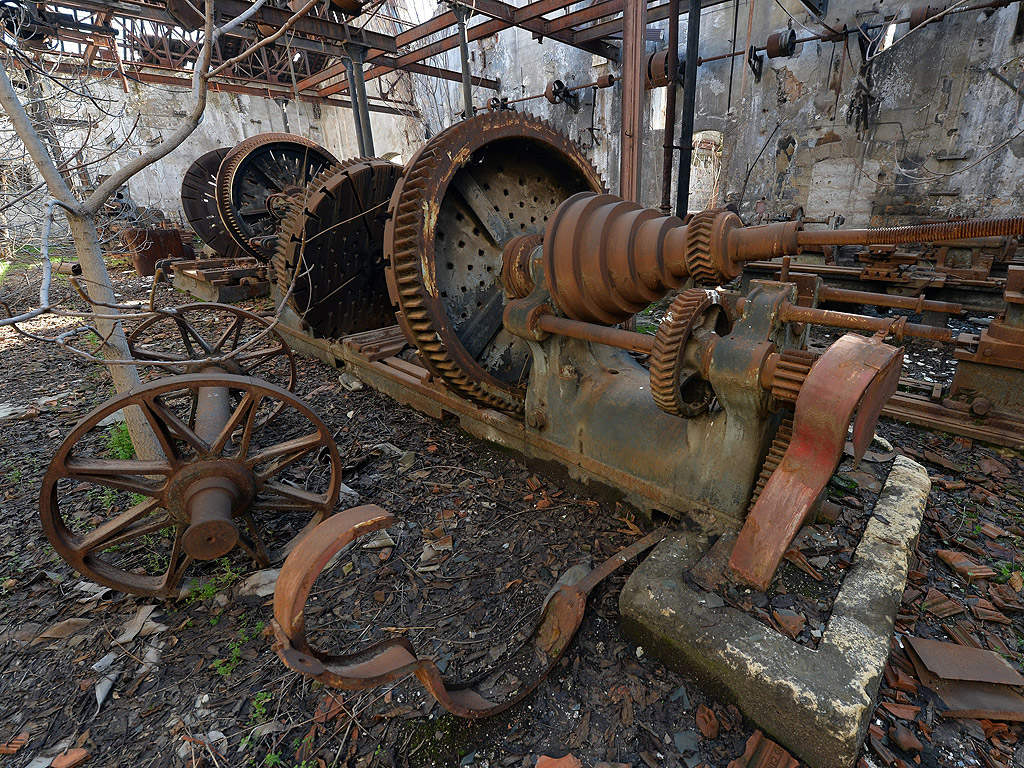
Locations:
{"points": [[369, 357], [221, 280], [817, 703]]}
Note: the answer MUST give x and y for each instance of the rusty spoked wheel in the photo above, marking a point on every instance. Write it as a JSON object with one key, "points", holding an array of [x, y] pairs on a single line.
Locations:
{"points": [[464, 195], [332, 249], [192, 337], [257, 180], [199, 202], [222, 479]]}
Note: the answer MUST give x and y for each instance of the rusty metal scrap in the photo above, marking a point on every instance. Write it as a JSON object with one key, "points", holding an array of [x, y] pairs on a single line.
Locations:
{"points": [[213, 469], [393, 660]]}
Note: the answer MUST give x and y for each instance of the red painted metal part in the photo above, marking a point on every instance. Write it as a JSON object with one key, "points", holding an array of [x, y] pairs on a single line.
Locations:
{"points": [[393, 660], [856, 374]]}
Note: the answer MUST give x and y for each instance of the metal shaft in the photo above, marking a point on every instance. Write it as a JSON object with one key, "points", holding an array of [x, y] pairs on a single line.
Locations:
{"points": [[356, 117], [600, 334], [669, 150], [359, 83], [917, 305], [792, 313], [915, 233], [209, 501]]}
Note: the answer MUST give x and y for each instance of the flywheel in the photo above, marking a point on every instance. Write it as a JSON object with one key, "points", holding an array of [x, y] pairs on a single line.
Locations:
{"points": [[332, 249], [258, 180], [464, 195], [199, 202]]}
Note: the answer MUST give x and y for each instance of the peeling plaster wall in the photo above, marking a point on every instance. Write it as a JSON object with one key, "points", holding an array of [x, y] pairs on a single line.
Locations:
{"points": [[228, 119], [932, 104]]}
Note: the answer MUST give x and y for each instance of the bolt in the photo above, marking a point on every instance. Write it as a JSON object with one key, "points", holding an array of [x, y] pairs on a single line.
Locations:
{"points": [[536, 419]]}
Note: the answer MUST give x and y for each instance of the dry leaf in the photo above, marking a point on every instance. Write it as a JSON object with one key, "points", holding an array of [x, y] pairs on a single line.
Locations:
{"points": [[62, 629]]}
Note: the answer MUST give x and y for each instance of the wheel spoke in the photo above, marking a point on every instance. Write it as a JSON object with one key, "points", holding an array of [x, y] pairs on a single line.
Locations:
{"points": [[249, 429], [286, 454], [159, 429], [130, 524], [235, 328], [253, 543], [288, 497], [176, 426], [260, 354], [245, 407], [157, 355], [175, 570], [119, 474], [186, 329]]}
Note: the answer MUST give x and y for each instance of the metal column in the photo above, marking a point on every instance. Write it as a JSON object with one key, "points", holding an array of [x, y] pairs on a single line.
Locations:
{"points": [[634, 24], [358, 91], [462, 14], [669, 152], [689, 97], [356, 121]]}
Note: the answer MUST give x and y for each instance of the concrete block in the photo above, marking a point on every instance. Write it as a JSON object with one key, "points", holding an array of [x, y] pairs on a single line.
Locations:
{"points": [[816, 702]]}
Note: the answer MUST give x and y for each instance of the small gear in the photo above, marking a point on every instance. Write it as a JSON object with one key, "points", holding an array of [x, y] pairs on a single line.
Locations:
{"points": [[699, 261], [676, 389], [336, 235], [791, 369]]}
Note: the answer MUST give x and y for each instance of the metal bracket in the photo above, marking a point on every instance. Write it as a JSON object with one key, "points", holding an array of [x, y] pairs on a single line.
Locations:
{"points": [[756, 63]]}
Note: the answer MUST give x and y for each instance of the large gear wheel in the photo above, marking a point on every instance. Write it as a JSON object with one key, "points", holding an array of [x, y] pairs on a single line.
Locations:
{"points": [[199, 202], [463, 197], [332, 247], [256, 182], [678, 388]]}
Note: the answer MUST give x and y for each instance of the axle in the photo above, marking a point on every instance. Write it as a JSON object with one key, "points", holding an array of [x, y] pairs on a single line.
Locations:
{"points": [[606, 259], [209, 501]]}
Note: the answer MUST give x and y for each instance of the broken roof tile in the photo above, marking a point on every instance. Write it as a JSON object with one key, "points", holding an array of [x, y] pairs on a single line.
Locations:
{"points": [[965, 567], [940, 605], [762, 752]]}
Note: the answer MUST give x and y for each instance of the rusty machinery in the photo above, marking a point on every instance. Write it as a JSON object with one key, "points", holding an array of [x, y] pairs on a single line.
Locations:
{"points": [[236, 199], [511, 270], [235, 460]]}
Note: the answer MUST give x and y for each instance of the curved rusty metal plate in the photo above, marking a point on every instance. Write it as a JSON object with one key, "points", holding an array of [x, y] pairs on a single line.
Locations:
{"points": [[393, 660]]}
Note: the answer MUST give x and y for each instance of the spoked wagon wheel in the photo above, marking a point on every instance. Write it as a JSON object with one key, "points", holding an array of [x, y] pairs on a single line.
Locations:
{"points": [[191, 337], [226, 477]]}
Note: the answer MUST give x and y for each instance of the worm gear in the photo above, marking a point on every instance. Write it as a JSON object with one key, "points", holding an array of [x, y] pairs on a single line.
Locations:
{"points": [[332, 246], [464, 195], [676, 383], [256, 182]]}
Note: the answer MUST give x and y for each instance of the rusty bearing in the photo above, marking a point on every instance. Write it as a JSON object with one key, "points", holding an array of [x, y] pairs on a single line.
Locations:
{"points": [[676, 384]]}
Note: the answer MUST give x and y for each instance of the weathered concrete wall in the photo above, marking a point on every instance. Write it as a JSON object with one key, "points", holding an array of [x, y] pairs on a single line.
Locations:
{"points": [[911, 145], [228, 119], [804, 134]]}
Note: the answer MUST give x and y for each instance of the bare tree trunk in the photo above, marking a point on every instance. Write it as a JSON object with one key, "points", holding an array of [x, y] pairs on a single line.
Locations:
{"points": [[115, 344]]}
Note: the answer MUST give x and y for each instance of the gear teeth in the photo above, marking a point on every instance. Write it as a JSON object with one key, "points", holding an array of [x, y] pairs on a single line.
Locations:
{"points": [[790, 372], [420, 185], [699, 261], [775, 453], [226, 175], [669, 344]]}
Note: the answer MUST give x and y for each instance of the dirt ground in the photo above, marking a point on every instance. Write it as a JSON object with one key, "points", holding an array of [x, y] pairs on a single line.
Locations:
{"points": [[196, 684]]}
